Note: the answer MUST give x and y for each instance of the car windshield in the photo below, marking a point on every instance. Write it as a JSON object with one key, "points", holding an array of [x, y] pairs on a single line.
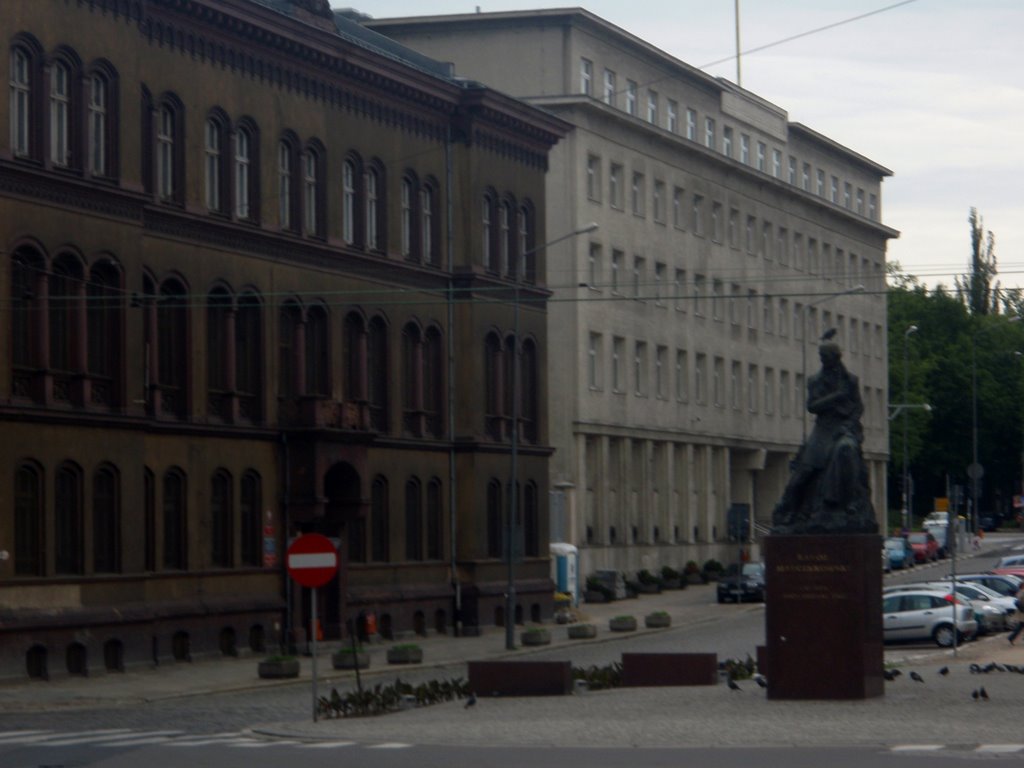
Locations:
{"points": [[918, 538], [753, 569], [894, 544]]}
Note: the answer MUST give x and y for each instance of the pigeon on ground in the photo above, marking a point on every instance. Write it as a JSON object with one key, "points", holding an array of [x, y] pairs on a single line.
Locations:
{"points": [[975, 669], [917, 677], [470, 700], [761, 681], [733, 686], [975, 694], [944, 671], [983, 694], [889, 674]]}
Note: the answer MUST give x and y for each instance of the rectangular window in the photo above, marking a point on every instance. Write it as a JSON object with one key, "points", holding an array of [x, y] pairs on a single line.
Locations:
{"points": [[751, 309], [717, 290], [805, 177], [586, 76], [792, 170], [637, 194], [834, 196], [679, 287], [658, 202], [631, 97], [735, 395], [618, 354], [769, 391], [165, 138], [716, 222], [310, 188], [60, 111], [860, 201], [697, 216], [768, 324], [652, 107], [798, 321], [615, 186], [783, 324], [847, 194], [798, 251], [659, 281], [750, 236], [617, 257], [672, 117], [782, 246], [762, 156], [594, 178], [734, 228], [727, 141], [98, 126], [766, 240], [21, 103], [820, 183], [639, 268], [678, 219], [752, 388], [661, 372], [682, 376], [640, 369], [784, 393], [812, 255], [872, 206], [744, 149], [709, 133], [734, 303], [243, 170], [594, 266], [609, 87], [700, 368], [718, 382], [776, 164], [594, 362], [700, 289], [691, 124], [284, 185], [212, 166]]}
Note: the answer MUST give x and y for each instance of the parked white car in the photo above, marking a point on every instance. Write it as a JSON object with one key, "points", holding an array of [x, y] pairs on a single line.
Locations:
{"points": [[924, 614], [991, 610]]}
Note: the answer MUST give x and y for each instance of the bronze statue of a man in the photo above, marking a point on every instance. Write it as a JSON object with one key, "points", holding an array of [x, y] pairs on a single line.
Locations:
{"points": [[828, 488]]}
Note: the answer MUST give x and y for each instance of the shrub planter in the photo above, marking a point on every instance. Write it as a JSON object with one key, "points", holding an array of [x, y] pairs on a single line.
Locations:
{"points": [[647, 589], [405, 654], [657, 620], [345, 659], [273, 669], [535, 636], [622, 624], [582, 631], [593, 596], [695, 578], [671, 584]]}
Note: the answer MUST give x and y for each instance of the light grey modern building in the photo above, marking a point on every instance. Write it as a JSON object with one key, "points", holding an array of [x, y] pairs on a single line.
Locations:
{"points": [[683, 329]]}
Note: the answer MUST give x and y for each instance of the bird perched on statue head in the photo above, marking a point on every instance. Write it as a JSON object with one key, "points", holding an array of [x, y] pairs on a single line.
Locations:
{"points": [[829, 334]]}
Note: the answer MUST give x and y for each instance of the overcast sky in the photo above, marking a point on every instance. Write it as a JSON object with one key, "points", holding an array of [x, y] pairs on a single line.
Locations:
{"points": [[931, 89]]}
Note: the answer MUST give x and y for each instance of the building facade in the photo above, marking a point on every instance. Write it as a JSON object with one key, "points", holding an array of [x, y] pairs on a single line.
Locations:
{"points": [[730, 238], [250, 290]]}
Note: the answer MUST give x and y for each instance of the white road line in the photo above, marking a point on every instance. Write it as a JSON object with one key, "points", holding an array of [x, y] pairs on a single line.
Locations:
{"points": [[204, 741], [917, 747], [999, 748], [13, 737], [390, 745], [140, 738], [327, 744], [251, 744], [55, 739]]}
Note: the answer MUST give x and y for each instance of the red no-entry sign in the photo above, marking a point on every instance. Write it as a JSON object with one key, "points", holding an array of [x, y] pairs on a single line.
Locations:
{"points": [[312, 560]]}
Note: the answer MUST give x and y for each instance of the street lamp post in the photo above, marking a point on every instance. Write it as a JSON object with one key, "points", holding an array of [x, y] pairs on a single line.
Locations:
{"points": [[906, 356], [510, 523], [975, 471], [803, 346]]}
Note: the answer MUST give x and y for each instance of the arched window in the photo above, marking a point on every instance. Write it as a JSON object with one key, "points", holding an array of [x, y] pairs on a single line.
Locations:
{"points": [[106, 521], [246, 176], [249, 505], [104, 313], [170, 151], [433, 383], [429, 240], [287, 354], [435, 525], [28, 281], [506, 238], [29, 551], [531, 521], [149, 519], [377, 370], [219, 319], [412, 380], [355, 359], [527, 243], [215, 154], [529, 394], [221, 514], [67, 520], [380, 531], [487, 222], [65, 302], [493, 386], [508, 385], [413, 520], [408, 217], [494, 520], [23, 90], [287, 189], [99, 125], [172, 346], [349, 201], [249, 357], [376, 217], [60, 113], [175, 519], [313, 160], [317, 353]]}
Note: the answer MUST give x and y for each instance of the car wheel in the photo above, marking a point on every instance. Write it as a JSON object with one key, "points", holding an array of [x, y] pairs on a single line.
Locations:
{"points": [[944, 636]]}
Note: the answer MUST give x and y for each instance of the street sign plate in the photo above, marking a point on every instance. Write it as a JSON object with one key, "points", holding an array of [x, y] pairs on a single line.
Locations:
{"points": [[312, 560]]}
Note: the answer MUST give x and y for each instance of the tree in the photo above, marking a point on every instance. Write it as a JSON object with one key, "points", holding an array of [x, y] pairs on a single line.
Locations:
{"points": [[976, 290]]}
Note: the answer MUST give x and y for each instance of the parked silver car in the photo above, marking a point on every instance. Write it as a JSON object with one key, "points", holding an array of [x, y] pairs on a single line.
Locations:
{"points": [[924, 614]]}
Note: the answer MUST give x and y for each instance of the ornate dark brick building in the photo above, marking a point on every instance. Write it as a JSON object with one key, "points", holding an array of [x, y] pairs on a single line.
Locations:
{"points": [[262, 272]]}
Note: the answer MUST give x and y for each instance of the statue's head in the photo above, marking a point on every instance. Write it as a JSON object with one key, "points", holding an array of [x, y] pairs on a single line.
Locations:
{"points": [[829, 353]]}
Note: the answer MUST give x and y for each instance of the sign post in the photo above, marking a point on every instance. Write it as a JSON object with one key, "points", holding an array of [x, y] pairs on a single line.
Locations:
{"points": [[312, 563]]}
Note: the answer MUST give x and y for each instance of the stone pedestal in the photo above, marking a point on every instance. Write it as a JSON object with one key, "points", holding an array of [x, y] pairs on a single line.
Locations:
{"points": [[823, 616]]}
